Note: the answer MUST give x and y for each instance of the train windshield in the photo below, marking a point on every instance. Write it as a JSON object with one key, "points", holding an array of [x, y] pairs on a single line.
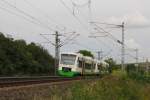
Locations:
{"points": [[68, 59]]}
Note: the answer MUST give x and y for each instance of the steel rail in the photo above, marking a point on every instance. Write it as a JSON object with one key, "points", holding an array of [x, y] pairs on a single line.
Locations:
{"points": [[18, 81]]}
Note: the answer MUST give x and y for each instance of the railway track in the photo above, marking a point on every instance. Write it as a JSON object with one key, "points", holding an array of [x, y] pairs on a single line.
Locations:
{"points": [[23, 81]]}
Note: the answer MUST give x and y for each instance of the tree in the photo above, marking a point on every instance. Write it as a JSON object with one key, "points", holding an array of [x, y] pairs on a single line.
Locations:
{"points": [[19, 58], [112, 64], [86, 53]]}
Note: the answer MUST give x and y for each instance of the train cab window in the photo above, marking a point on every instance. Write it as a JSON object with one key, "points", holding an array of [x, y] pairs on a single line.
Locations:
{"points": [[68, 59]]}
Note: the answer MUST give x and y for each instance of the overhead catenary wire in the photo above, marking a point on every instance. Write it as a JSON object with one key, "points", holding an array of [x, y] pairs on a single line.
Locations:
{"points": [[82, 45], [108, 46], [13, 13], [77, 12], [37, 21], [86, 47], [26, 14], [98, 31], [103, 43], [70, 11], [117, 26], [112, 37], [105, 23], [88, 20], [30, 18], [69, 39], [21, 16], [80, 5], [108, 33], [47, 39], [44, 14]]}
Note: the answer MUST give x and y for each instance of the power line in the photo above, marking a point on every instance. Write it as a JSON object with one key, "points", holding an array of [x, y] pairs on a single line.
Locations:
{"points": [[79, 12], [94, 36], [83, 25], [43, 13], [117, 40], [26, 14], [82, 45], [88, 4], [33, 23], [117, 26], [68, 39], [112, 37], [47, 39], [102, 42], [106, 45], [13, 13], [80, 5], [105, 23], [35, 20]]}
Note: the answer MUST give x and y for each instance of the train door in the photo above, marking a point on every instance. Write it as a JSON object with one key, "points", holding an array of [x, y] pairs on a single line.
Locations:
{"points": [[81, 65], [100, 68], [93, 69]]}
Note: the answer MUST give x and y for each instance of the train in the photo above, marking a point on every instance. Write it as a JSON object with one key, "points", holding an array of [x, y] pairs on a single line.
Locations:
{"points": [[76, 64]]}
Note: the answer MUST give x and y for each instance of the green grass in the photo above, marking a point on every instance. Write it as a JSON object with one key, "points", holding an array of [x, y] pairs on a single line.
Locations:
{"points": [[109, 88], [117, 86], [119, 73]]}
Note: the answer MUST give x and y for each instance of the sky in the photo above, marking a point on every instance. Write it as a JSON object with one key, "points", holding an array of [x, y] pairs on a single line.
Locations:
{"points": [[27, 19]]}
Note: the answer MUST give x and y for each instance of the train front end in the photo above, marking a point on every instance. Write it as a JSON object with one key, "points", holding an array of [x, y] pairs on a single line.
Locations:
{"points": [[67, 65]]}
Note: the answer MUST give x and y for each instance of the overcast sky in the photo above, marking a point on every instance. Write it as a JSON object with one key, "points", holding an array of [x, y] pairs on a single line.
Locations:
{"points": [[54, 15]]}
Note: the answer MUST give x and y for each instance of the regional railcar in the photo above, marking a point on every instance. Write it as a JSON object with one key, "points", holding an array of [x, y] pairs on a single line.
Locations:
{"points": [[75, 64]]}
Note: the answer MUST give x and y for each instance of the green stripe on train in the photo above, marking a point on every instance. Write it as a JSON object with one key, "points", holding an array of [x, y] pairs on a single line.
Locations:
{"points": [[67, 74]]}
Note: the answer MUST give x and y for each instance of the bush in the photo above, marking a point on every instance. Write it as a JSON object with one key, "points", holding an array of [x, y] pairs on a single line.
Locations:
{"points": [[137, 73]]}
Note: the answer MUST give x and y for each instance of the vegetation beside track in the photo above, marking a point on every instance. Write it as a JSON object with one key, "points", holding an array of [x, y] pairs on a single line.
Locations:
{"points": [[112, 87], [118, 86], [17, 58]]}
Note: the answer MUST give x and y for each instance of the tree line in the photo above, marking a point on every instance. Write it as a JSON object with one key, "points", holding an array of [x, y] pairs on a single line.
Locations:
{"points": [[19, 58]]}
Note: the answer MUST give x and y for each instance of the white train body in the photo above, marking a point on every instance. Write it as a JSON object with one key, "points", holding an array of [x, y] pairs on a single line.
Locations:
{"points": [[74, 64]]}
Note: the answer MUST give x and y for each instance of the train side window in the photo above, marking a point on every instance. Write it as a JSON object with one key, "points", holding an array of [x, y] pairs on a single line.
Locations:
{"points": [[88, 66], [99, 67]]}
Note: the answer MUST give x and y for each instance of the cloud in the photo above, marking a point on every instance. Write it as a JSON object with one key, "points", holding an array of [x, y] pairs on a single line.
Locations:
{"points": [[132, 20], [131, 43]]}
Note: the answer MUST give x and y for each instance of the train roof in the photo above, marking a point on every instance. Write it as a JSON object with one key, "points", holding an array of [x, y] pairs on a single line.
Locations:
{"points": [[72, 53]]}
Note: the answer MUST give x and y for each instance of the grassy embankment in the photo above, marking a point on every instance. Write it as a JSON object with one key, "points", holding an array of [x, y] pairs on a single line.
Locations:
{"points": [[117, 86]]}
